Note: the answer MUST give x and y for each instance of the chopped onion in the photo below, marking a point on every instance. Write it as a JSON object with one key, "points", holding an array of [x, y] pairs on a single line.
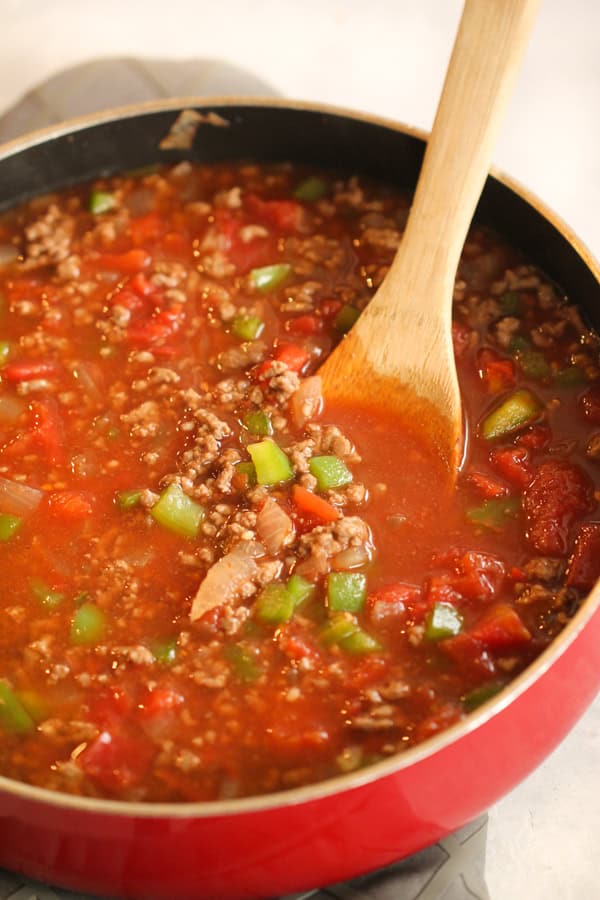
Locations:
{"points": [[313, 568], [224, 580], [8, 254], [11, 409], [307, 401], [352, 558], [18, 499], [274, 526], [89, 377]]}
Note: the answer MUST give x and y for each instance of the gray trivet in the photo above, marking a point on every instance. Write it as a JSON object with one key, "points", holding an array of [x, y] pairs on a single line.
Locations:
{"points": [[451, 869]]}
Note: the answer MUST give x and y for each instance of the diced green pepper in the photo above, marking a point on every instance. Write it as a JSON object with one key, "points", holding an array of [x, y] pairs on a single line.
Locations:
{"points": [[299, 589], [346, 591], [330, 472], [88, 625], [533, 364], [510, 303], [9, 525], [165, 652], [274, 605], [5, 351], [494, 514], [45, 594], [247, 471], [518, 344], [101, 202], [128, 499], [349, 759], [258, 422], [345, 631], [517, 410], [267, 278], [178, 512], [13, 715], [480, 695], [247, 328], [35, 705], [443, 621], [243, 662], [571, 376], [271, 464], [312, 188], [346, 318]]}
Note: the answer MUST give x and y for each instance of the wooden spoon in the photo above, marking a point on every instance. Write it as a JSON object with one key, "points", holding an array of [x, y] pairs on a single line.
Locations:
{"points": [[399, 354]]}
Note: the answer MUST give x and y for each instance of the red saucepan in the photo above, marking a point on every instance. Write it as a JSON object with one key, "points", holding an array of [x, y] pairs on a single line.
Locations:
{"points": [[277, 844]]}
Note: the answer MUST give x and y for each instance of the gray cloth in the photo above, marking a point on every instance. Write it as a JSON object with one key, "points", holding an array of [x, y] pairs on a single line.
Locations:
{"points": [[451, 869]]}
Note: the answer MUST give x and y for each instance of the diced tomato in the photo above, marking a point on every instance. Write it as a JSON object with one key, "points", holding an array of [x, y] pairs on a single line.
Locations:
{"points": [[159, 700], [486, 486], [141, 285], [393, 601], [477, 576], [314, 505], [286, 215], [157, 329], [127, 263], [497, 373], [482, 575], [47, 430], [584, 565], [500, 628], [558, 495], [294, 356], [117, 762], [461, 338], [70, 506], [536, 437], [329, 308], [130, 300], [514, 464], [304, 325], [589, 404], [470, 655], [145, 228], [295, 646], [109, 708], [27, 370]]}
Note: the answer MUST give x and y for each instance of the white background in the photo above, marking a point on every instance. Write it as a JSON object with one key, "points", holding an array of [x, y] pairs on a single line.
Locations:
{"points": [[389, 57]]}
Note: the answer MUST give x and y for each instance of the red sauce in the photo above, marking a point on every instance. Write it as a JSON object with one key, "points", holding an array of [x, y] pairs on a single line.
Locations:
{"points": [[173, 630]]}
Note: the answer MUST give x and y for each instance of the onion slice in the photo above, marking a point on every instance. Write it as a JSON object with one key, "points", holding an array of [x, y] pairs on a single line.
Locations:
{"points": [[307, 401], [224, 580], [17, 499], [274, 527]]}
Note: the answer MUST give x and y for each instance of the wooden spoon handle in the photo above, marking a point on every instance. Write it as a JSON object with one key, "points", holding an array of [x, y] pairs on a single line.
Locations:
{"points": [[488, 50]]}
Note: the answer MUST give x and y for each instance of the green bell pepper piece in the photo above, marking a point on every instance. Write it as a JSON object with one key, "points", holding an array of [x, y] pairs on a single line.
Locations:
{"points": [[267, 278], [510, 304], [345, 631], [517, 410], [178, 512], [258, 422], [480, 695], [533, 364], [346, 591], [13, 715], [128, 499], [45, 594], [571, 376], [88, 625], [271, 464], [165, 652], [274, 605], [330, 472], [247, 328], [443, 621], [248, 472], [346, 318], [101, 202], [299, 589], [244, 663], [9, 525], [311, 189], [494, 515]]}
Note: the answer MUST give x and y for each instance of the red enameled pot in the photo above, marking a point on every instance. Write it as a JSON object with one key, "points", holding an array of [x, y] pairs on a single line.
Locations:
{"points": [[273, 845]]}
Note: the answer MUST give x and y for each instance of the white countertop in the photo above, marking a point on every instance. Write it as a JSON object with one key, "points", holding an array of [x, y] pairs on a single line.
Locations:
{"points": [[388, 57]]}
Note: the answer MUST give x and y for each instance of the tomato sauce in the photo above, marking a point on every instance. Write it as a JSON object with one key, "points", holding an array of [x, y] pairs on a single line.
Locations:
{"points": [[216, 584]]}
